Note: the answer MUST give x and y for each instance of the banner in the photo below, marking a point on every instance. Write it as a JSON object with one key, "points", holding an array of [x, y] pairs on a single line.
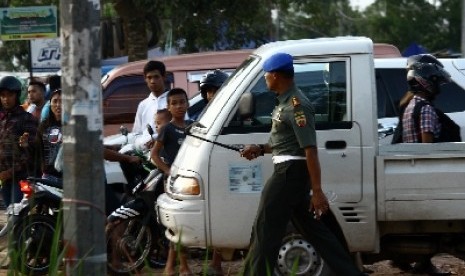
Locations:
{"points": [[24, 23]]}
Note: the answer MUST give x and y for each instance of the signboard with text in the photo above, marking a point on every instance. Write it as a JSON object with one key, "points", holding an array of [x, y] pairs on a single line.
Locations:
{"points": [[24, 23], [45, 55]]}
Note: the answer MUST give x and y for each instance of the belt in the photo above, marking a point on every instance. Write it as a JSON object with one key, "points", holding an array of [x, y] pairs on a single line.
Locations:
{"points": [[284, 158]]}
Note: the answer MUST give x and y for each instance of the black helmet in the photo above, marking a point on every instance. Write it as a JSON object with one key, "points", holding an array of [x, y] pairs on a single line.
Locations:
{"points": [[212, 79], [422, 58], [12, 84], [427, 77]]}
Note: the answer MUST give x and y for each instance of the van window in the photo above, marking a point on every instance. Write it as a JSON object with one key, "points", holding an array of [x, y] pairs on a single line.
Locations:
{"points": [[121, 98], [391, 85], [325, 85]]}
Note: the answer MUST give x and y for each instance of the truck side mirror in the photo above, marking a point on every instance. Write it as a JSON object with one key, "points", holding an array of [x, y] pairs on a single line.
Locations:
{"points": [[246, 105]]}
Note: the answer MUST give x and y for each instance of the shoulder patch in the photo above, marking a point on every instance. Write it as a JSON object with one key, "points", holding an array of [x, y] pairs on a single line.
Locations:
{"points": [[295, 101], [300, 118]]}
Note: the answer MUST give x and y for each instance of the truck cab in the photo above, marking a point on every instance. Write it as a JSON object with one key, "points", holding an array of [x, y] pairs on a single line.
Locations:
{"points": [[212, 194]]}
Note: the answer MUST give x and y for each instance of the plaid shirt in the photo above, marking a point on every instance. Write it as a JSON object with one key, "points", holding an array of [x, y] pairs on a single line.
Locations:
{"points": [[429, 122], [13, 124]]}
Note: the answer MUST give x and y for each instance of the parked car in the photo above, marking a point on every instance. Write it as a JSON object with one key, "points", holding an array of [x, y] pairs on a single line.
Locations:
{"points": [[124, 87]]}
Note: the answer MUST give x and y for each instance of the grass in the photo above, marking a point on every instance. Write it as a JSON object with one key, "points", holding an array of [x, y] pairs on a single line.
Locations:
{"points": [[57, 254]]}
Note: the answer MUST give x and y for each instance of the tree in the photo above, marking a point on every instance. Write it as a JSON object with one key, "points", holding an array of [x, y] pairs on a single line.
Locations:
{"points": [[402, 22], [131, 12], [218, 25], [450, 13], [193, 26], [311, 19]]}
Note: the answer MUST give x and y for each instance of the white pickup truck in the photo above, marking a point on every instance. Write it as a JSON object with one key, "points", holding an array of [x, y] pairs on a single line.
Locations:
{"points": [[393, 201]]}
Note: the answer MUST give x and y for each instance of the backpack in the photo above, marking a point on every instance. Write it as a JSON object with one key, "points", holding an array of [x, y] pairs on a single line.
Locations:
{"points": [[450, 131]]}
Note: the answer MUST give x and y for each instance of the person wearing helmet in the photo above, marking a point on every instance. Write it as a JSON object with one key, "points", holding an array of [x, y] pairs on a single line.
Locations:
{"points": [[209, 85], [425, 74], [211, 82], [421, 58], [15, 123]]}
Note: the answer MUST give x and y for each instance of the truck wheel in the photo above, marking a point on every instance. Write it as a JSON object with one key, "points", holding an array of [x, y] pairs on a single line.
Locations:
{"points": [[298, 257]]}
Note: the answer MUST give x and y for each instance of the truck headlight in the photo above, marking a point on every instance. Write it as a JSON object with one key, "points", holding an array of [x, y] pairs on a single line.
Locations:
{"points": [[185, 186]]}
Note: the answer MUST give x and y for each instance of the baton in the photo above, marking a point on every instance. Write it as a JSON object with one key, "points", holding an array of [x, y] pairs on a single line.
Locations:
{"points": [[187, 131]]}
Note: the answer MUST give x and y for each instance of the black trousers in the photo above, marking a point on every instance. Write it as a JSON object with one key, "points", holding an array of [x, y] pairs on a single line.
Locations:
{"points": [[285, 198]]}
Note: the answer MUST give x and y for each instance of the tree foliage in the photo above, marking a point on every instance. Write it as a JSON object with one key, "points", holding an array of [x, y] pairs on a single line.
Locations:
{"points": [[195, 26], [311, 19], [402, 22]]}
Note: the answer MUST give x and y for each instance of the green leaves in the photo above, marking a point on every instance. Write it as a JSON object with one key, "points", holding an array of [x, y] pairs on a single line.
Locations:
{"points": [[195, 26]]}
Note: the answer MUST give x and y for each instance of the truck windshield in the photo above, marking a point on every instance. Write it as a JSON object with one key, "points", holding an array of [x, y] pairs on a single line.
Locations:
{"points": [[221, 98]]}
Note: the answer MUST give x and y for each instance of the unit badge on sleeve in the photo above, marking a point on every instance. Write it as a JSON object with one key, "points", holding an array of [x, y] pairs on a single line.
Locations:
{"points": [[300, 118], [299, 115]]}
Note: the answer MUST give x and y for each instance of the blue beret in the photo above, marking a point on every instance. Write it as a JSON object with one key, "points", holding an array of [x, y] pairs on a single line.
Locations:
{"points": [[279, 62]]}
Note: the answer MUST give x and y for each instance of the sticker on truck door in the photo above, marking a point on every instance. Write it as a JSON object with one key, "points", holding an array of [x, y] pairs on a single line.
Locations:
{"points": [[245, 178]]}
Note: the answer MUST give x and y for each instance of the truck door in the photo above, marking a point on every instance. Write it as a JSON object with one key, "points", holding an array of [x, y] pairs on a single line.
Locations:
{"points": [[235, 183], [339, 137]]}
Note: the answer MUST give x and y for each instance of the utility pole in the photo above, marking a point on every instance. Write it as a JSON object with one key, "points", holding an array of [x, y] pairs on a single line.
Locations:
{"points": [[84, 197]]}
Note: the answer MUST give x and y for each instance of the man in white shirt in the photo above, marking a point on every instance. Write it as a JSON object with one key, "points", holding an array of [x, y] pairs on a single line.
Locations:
{"points": [[36, 96], [155, 76]]}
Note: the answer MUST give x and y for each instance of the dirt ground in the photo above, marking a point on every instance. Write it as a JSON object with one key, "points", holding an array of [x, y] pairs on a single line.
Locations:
{"points": [[383, 268]]}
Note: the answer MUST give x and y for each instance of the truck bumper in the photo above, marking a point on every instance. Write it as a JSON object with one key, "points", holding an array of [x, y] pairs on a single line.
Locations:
{"points": [[191, 213]]}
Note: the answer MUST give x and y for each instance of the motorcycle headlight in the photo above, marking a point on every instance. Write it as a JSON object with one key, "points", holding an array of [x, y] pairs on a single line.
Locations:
{"points": [[185, 186]]}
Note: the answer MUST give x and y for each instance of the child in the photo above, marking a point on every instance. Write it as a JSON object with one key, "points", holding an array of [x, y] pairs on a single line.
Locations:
{"points": [[164, 152], [162, 118]]}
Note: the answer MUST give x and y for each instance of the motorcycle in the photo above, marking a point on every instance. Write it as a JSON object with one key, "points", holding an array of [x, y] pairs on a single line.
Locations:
{"points": [[35, 223], [133, 235], [121, 176]]}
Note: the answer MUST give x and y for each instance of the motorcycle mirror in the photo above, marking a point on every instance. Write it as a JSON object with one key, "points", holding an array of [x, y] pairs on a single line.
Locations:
{"points": [[150, 129], [123, 130]]}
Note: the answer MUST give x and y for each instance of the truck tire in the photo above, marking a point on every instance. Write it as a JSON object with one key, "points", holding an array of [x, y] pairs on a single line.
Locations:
{"points": [[298, 257]]}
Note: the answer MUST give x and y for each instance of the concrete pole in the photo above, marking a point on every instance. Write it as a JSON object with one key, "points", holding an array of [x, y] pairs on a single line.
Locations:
{"points": [[84, 216]]}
